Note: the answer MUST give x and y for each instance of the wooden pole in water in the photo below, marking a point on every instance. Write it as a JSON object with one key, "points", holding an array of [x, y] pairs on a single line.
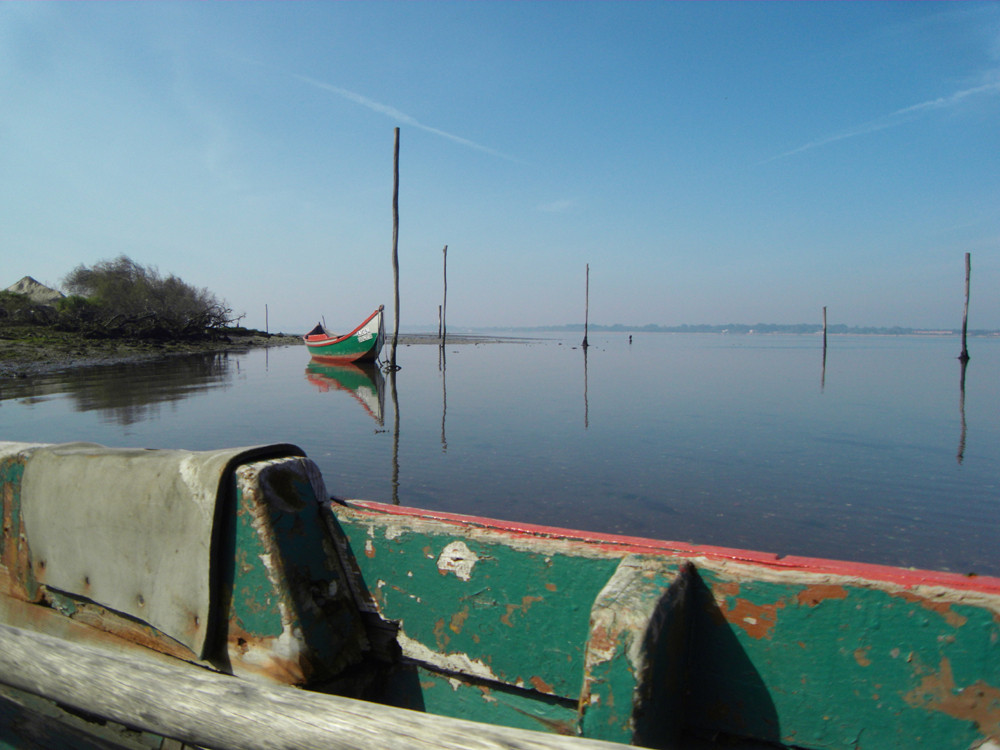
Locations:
{"points": [[395, 248], [444, 304], [964, 356], [266, 329], [586, 310]]}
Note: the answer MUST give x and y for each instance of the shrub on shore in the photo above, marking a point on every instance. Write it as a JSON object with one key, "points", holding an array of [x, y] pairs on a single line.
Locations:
{"points": [[121, 298]]}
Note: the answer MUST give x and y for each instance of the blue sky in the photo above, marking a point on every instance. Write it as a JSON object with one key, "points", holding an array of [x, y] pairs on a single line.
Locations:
{"points": [[712, 162]]}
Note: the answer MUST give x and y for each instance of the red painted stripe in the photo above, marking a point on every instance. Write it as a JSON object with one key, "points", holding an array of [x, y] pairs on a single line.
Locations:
{"points": [[907, 577]]}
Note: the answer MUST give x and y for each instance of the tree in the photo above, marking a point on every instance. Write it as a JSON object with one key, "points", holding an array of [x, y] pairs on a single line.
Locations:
{"points": [[131, 299]]}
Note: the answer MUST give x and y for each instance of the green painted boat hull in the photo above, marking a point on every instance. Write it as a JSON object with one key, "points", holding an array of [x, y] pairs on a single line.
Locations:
{"points": [[363, 344], [630, 640]]}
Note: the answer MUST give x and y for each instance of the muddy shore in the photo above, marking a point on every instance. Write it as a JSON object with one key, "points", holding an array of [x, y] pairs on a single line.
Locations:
{"points": [[46, 351]]}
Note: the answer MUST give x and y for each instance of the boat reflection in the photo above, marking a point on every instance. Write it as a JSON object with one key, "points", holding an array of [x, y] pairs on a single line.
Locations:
{"points": [[363, 380]]}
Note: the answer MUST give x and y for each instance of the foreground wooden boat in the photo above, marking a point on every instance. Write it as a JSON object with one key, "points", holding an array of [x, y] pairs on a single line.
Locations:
{"points": [[221, 599], [363, 344]]}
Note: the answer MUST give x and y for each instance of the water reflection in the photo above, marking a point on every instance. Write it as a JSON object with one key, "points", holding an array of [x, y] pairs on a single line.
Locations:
{"points": [[961, 409], [709, 439], [127, 393], [395, 436], [362, 380], [443, 368]]}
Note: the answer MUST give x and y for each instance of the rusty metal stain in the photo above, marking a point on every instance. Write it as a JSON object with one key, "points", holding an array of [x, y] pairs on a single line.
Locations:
{"points": [[861, 656], [978, 702], [811, 596], [524, 606], [259, 655], [128, 629], [603, 644], [551, 587], [942, 608]]}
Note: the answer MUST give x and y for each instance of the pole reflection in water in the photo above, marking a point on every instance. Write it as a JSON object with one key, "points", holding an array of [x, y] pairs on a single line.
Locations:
{"points": [[822, 376], [362, 380], [395, 436], [443, 367], [961, 410], [586, 403]]}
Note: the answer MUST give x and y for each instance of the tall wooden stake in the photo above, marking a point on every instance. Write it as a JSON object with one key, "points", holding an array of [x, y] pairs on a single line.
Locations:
{"points": [[586, 310], [266, 328], [822, 377], [444, 304], [395, 249], [964, 356]]}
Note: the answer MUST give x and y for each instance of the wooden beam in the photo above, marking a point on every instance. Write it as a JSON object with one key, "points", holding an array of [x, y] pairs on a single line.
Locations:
{"points": [[213, 710]]}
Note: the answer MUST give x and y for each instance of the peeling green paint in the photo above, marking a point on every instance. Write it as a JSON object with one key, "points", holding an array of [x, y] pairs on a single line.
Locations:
{"points": [[515, 616], [821, 667]]}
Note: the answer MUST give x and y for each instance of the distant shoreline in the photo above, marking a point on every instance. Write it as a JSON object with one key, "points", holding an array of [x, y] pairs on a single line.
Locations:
{"points": [[739, 329]]}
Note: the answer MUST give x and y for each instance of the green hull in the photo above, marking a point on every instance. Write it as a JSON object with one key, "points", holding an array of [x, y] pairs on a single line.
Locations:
{"points": [[363, 344], [567, 633]]}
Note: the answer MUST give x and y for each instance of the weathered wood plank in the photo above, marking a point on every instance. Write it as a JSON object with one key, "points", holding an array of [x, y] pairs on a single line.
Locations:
{"points": [[213, 710]]}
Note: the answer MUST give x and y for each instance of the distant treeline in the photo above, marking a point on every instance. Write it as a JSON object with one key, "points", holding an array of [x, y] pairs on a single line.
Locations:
{"points": [[742, 328]]}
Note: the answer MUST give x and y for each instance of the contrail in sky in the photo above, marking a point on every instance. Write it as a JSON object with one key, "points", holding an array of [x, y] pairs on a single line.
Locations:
{"points": [[395, 114], [895, 118]]}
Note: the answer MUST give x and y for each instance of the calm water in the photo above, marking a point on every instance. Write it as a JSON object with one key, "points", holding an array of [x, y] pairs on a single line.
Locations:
{"points": [[740, 441]]}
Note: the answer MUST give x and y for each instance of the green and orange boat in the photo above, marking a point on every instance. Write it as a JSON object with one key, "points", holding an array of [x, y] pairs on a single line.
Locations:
{"points": [[168, 598], [363, 344]]}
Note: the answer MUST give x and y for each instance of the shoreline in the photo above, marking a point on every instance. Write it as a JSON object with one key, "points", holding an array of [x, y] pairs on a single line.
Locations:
{"points": [[47, 352]]}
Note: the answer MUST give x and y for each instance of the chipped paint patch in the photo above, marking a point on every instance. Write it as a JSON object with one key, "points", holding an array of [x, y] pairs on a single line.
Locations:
{"points": [[861, 656], [458, 620], [943, 608], [541, 685], [457, 558], [978, 702], [757, 620], [811, 596], [524, 606], [458, 663]]}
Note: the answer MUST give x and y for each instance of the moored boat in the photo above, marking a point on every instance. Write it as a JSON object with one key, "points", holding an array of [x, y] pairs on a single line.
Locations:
{"points": [[235, 573], [363, 344]]}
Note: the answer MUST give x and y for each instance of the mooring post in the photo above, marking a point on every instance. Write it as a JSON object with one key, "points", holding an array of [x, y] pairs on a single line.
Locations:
{"points": [[586, 310], [444, 303], [395, 248], [964, 356], [266, 329]]}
